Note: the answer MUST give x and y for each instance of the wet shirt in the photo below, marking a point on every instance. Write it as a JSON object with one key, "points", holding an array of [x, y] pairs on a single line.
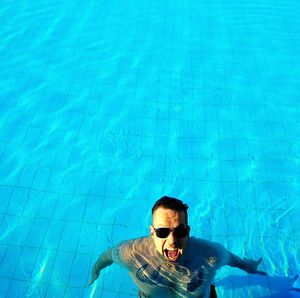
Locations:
{"points": [[157, 277]]}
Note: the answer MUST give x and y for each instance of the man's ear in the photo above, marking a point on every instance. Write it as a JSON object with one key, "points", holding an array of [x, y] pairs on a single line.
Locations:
{"points": [[189, 229], [152, 232]]}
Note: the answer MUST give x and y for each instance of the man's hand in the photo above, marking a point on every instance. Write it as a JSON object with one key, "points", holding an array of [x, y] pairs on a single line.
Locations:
{"points": [[103, 261], [95, 275], [251, 266], [248, 265]]}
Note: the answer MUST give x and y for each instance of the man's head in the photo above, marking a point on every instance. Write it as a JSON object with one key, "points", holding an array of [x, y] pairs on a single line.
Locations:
{"points": [[170, 228]]}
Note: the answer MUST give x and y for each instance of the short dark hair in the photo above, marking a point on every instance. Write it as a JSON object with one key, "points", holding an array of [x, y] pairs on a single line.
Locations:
{"points": [[171, 203]]}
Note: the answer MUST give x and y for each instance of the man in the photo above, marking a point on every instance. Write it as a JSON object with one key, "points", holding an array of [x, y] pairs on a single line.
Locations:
{"points": [[170, 263]]}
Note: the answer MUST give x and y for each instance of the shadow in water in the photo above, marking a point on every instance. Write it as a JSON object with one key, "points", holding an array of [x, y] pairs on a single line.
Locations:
{"points": [[282, 287]]}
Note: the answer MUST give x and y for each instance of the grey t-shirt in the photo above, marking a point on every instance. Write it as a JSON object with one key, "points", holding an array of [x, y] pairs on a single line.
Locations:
{"points": [[157, 277]]}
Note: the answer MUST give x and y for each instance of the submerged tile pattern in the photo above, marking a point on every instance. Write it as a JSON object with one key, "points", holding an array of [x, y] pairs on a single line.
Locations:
{"points": [[105, 107]]}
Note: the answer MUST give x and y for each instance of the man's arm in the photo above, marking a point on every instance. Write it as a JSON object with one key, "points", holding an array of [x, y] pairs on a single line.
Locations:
{"points": [[103, 261], [248, 265]]}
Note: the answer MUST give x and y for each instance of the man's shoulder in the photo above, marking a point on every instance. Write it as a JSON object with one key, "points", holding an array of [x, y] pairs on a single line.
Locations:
{"points": [[202, 241], [213, 252], [126, 252], [207, 245], [136, 242]]}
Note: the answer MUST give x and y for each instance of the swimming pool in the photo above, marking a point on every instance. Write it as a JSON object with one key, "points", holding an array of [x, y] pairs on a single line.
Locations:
{"points": [[107, 106]]}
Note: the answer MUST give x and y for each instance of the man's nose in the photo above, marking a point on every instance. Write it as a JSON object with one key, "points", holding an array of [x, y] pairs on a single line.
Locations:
{"points": [[172, 238]]}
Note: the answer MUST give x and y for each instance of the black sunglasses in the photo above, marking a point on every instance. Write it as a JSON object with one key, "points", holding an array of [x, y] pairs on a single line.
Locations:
{"points": [[179, 232]]}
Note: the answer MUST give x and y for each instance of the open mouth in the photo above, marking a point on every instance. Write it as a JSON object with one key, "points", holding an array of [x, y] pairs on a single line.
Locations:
{"points": [[172, 254]]}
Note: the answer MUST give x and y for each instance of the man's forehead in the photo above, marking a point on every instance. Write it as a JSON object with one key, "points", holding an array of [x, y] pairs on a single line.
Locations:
{"points": [[168, 215]]}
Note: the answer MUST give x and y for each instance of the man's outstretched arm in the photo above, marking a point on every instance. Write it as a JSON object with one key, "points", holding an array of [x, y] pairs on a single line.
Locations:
{"points": [[248, 265], [103, 261]]}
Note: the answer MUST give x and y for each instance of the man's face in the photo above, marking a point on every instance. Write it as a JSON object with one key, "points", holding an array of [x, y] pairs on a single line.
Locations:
{"points": [[171, 247]]}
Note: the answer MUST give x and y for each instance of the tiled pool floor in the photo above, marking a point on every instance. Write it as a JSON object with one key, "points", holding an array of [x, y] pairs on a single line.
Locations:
{"points": [[105, 107]]}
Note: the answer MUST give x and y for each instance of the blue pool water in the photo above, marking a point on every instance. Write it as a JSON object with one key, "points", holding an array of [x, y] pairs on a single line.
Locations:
{"points": [[108, 105]]}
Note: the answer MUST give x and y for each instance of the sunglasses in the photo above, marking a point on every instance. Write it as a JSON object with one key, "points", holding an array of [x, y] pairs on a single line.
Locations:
{"points": [[179, 232]]}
